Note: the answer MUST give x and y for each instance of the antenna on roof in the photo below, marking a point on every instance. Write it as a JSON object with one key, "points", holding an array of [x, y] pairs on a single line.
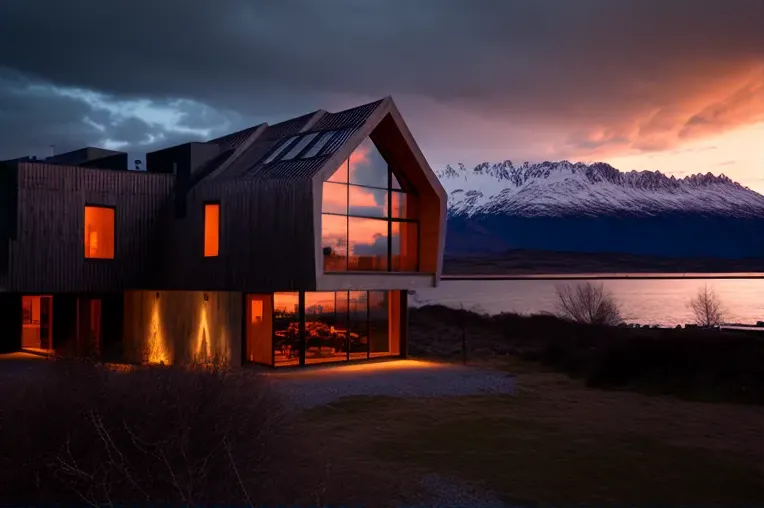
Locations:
{"points": [[137, 165]]}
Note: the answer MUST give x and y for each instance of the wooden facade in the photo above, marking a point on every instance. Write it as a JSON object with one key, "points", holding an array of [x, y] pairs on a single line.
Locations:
{"points": [[269, 232], [47, 255]]}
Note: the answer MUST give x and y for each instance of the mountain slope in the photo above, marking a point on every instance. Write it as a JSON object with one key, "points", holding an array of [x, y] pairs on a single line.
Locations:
{"points": [[560, 206], [563, 188]]}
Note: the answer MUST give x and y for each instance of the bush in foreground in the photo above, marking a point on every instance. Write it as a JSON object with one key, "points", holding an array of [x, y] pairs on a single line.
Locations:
{"points": [[694, 363], [74, 432]]}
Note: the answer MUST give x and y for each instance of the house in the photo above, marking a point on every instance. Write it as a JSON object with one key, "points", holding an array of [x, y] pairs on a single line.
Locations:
{"points": [[285, 244]]}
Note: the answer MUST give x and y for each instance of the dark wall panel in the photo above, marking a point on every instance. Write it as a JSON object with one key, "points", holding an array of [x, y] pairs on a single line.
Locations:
{"points": [[266, 239], [48, 255], [10, 322]]}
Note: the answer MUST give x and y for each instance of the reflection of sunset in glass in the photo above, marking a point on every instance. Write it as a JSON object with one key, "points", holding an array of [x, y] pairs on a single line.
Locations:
{"points": [[285, 302], [358, 225]]}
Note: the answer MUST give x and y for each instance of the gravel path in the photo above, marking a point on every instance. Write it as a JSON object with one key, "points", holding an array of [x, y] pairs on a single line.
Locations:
{"points": [[399, 378]]}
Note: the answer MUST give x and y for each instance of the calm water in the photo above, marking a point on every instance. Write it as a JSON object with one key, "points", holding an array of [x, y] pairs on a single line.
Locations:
{"points": [[655, 302]]}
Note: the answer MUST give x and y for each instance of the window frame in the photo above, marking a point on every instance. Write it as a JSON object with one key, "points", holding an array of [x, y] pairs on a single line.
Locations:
{"points": [[114, 232], [205, 204], [404, 189]]}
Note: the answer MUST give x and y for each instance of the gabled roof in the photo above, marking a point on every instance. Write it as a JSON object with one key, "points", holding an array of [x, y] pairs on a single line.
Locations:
{"points": [[314, 136]]}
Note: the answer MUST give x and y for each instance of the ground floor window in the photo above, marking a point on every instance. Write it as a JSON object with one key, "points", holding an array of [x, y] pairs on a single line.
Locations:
{"points": [[323, 326], [37, 323]]}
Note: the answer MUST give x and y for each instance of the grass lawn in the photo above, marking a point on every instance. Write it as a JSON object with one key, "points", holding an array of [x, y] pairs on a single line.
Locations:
{"points": [[557, 442]]}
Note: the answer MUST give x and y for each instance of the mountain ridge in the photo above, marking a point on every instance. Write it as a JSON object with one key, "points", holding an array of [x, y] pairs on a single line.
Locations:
{"points": [[577, 207], [564, 188]]}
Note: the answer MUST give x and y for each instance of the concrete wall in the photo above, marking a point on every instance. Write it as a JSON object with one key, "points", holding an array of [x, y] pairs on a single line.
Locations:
{"points": [[180, 326]]}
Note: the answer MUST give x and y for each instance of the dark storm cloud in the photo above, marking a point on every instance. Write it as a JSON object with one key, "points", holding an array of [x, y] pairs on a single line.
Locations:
{"points": [[615, 72]]}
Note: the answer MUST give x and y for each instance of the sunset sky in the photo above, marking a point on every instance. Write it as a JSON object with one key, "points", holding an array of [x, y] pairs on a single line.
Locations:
{"points": [[669, 85]]}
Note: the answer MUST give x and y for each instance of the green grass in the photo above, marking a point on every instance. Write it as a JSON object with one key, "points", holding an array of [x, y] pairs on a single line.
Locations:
{"points": [[534, 447]]}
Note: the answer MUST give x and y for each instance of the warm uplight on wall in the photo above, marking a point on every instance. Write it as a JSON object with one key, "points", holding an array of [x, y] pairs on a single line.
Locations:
{"points": [[203, 334], [157, 349]]}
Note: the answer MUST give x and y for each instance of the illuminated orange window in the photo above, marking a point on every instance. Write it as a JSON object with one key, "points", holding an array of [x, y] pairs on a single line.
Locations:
{"points": [[99, 232], [211, 229]]}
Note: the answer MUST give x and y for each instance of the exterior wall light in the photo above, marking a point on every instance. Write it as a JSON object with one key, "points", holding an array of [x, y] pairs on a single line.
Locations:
{"points": [[206, 297]]}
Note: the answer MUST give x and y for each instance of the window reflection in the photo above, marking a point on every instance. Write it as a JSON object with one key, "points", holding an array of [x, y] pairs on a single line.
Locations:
{"points": [[286, 328], [359, 216], [367, 202], [335, 198], [367, 167], [334, 234], [339, 326], [358, 326], [341, 175], [367, 244], [325, 327]]}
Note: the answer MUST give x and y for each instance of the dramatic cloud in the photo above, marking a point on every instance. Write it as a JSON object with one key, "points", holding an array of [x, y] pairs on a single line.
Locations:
{"points": [[476, 80]]}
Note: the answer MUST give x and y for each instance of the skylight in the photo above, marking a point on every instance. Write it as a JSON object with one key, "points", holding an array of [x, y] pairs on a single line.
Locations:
{"points": [[299, 146], [278, 150], [318, 145]]}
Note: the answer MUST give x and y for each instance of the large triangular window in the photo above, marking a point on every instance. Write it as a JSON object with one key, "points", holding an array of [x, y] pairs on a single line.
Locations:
{"points": [[369, 223]]}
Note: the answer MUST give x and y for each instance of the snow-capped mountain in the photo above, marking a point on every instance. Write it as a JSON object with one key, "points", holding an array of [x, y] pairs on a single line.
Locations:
{"points": [[561, 206], [563, 188]]}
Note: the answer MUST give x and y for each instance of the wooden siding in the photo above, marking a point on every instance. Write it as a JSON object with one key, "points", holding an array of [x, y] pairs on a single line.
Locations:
{"points": [[266, 238], [48, 254], [180, 326]]}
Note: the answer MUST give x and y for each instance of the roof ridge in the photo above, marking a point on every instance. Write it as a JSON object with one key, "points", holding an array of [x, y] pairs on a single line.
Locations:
{"points": [[243, 147]]}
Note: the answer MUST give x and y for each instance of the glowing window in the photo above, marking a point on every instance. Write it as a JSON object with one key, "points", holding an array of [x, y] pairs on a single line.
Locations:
{"points": [[211, 229], [99, 232]]}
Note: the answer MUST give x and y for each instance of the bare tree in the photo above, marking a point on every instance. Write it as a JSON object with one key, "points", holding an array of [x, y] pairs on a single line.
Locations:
{"points": [[588, 303], [707, 307]]}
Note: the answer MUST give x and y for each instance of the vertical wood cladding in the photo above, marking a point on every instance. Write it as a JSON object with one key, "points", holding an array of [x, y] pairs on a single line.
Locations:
{"points": [[266, 238], [177, 327], [48, 253]]}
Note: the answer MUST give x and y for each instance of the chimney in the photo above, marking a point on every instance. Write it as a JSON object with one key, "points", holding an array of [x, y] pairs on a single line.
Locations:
{"points": [[52, 150]]}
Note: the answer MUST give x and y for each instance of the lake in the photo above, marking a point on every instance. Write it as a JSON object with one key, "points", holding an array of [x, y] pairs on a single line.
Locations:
{"points": [[646, 301]]}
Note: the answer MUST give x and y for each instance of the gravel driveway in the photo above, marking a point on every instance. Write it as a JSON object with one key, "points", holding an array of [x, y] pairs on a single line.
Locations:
{"points": [[396, 378]]}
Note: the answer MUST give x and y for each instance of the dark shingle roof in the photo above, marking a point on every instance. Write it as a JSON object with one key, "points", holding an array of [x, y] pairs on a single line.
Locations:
{"points": [[233, 140], [250, 163], [349, 118]]}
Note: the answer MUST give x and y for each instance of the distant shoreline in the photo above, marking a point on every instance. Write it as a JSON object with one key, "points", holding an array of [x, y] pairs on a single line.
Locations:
{"points": [[602, 276], [532, 264]]}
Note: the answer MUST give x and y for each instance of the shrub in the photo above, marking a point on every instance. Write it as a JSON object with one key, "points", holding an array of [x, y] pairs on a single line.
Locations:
{"points": [[589, 304], [707, 308], [76, 432]]}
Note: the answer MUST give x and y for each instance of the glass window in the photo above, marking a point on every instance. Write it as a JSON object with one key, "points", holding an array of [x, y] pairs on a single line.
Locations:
{"points": [[335, 198], [379, 329], [279, 150], [211, 229], [366, 202], [367, 167], [325, 327], [341, 175], [334, 235], [358, 325], [318, 145], [365, 189], [394, 182], [286, 328], [99, 232], [299, 146], [404, 240], [367, 244]]}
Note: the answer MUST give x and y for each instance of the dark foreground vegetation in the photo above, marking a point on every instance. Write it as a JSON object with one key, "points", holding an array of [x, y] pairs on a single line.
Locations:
{"points": [[694, 363], [76, 432]]}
